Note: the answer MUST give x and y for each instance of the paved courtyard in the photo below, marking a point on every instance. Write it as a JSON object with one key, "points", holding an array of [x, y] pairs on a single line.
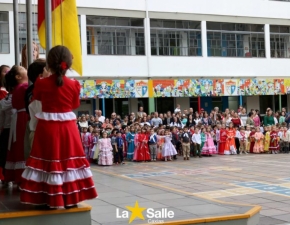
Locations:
{"points": [[206, 187]]}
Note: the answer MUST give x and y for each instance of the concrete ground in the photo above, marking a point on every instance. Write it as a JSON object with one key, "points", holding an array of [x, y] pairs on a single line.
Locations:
{"points": [[197, 188]]}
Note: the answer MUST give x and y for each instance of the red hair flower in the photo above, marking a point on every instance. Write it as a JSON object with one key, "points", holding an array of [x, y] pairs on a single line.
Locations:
{"points": [[63, 65]]}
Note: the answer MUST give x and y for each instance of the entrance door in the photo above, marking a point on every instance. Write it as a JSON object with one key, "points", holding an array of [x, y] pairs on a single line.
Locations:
{"points": [[122, 106], [164, 104], [108, 107]]}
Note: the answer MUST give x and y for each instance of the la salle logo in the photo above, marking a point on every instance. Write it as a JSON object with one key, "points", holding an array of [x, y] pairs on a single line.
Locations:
{"points": [[154, 216]]}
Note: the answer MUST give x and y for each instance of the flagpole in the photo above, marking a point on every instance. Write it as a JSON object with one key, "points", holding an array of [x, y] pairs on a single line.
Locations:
{"points": [[48, 30], [16, 32], [29, 44]]}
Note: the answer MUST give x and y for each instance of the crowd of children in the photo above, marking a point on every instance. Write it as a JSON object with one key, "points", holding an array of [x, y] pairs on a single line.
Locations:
{"points": [[145, 143]]}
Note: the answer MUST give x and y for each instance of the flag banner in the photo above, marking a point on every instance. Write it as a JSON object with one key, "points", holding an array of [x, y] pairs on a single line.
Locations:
{"points": [[65, 28], [182, 88]]}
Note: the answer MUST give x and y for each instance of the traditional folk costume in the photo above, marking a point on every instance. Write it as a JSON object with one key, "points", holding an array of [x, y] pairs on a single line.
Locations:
{"points": [[131, 146], [160, 143], [267, 141], [248, 141], [57, 173], [87, 141], [222, 143], [209, 147], [217, 138], [142, 151], [203, 140], [95, 148], [274, 142], [259, 146], [243, 143], [252, 141], [230, 147], [105, 152], [15, 163], [125, 150]]}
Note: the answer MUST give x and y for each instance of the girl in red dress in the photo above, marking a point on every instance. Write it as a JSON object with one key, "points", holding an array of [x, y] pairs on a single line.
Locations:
{"points": [[230, 143], [274, 141], [57, 173], [142, 151], [222, 139], [16, 84], [252, 139]]}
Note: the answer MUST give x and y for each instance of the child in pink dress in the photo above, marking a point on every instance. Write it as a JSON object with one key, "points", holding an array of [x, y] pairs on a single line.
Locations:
{"points": [[209, 147], [259, 145], [86, 140], [106, 149]]}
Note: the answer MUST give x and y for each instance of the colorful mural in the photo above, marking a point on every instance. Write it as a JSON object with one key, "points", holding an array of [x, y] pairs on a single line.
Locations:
{"points": [[182, 88]]}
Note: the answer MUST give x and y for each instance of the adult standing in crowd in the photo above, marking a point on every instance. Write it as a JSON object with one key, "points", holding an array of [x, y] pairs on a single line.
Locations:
{"points": [[243, 116], [83, 122], [156, 121], [236, 120], [141, 112], [256, 119], [269, 118], [250, 120], [100, 116]]}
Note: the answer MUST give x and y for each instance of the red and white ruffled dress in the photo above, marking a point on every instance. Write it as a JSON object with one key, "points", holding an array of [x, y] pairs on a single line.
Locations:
{"points": [[58, 174]]}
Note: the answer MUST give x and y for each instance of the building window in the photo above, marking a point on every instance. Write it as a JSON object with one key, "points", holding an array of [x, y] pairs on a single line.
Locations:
{"points": [[235, 40], [4, 33], [175, 38], [280, 41], [115, 36], [23, 31]]}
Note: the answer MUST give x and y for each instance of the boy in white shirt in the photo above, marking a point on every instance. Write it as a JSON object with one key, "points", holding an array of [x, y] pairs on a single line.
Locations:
{"points": [[196, 140]]}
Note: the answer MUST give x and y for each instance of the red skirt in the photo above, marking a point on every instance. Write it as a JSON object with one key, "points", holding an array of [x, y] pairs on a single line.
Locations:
{"points": [[57, 173], [252, 144], [142, 153], [15, 162], [222, 146], [274, 146]]}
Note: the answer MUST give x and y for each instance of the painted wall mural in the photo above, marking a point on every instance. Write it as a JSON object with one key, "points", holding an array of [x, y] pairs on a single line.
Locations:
{"points": [[182, 88]]}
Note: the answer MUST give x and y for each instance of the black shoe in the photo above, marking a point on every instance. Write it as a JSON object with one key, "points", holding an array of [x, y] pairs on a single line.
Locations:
{"points": [[200, 156]]}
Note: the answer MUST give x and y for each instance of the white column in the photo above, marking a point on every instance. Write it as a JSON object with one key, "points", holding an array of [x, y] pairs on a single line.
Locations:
{"points": [[83, 23], [204, 38], [11, 33], [267, 41], [147, 39], [147, 42]]}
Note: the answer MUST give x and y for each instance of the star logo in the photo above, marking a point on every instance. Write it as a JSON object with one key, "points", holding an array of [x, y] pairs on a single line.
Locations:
{"points": [[136, 211]]}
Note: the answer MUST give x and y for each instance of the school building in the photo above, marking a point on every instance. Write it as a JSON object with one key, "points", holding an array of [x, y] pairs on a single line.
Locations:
{"points": [[172, 40]]}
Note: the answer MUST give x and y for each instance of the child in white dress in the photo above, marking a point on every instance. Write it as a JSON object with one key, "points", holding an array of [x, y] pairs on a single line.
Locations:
{"points": [[168, 149], [95, 149]]}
